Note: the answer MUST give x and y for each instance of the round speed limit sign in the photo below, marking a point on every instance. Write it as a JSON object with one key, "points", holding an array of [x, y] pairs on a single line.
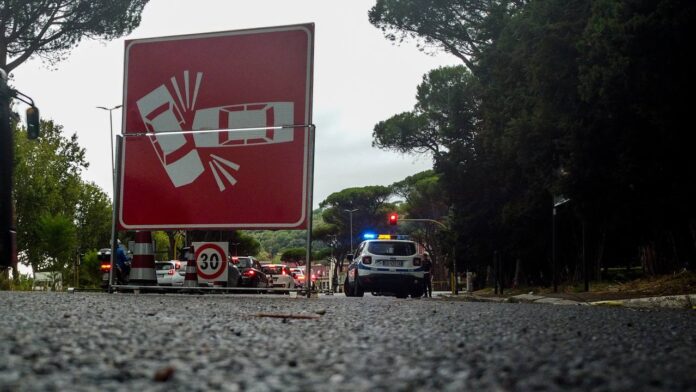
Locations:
{"points": [[211, 260]]}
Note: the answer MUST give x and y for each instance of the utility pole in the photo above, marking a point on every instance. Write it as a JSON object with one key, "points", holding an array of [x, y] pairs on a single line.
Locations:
{"points": [[350, 212], [557, 202], [111, 129]]}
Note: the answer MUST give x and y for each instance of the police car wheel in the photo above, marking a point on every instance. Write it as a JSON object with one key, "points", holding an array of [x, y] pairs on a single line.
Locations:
{"points": [[359, 292], [416, 293], [346, 288]]}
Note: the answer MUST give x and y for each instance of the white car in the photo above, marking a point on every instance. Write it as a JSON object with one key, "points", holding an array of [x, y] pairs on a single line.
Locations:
{"points": [[385, 267], [280, 275], [170, 273], [299, 276]]}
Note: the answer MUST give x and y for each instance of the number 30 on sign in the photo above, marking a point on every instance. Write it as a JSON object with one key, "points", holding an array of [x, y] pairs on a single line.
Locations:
{"points": [[211, 261]]}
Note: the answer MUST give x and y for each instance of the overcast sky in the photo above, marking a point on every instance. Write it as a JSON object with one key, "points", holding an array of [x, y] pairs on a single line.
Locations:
{"points": [[360, 78]]}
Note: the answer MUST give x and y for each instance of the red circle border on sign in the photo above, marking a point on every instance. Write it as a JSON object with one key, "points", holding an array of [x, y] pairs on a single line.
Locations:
{"points": [[222, 256]]}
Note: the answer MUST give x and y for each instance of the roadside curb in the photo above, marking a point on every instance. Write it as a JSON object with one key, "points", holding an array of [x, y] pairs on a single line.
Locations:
{"points": [[517, 299], [470, 298], [667, 302], [538, 299]]}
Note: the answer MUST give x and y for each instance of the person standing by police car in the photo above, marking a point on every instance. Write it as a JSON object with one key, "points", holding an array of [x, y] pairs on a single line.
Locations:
{"points": [[122, 263], [427, 267]]}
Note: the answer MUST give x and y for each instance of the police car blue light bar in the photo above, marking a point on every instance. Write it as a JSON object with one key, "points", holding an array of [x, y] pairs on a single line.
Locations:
{"points": [[369, 236]]}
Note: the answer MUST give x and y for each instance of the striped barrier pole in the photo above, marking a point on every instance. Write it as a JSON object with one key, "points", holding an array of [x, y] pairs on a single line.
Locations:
{"points": [[191, 279], [142, 271]]}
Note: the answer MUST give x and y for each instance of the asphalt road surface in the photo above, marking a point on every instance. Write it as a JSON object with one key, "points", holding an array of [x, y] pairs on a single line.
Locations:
{"points": [[173, 342]]}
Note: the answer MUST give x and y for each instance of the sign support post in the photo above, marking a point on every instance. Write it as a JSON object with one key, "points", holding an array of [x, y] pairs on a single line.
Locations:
{"points": [[115, 210], [310, 194]]}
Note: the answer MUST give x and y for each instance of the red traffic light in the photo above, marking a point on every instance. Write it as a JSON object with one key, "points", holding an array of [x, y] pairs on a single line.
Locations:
{"points": [[393, 218]]}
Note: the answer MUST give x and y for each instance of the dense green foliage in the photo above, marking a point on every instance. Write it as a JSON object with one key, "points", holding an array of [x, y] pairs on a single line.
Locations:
{"points": [[240, 243], [582, 99], [273, 243], [58, 214]]}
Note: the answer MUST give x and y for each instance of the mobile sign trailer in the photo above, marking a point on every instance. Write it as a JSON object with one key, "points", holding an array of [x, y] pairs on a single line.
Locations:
{"points": [[214, 125]]}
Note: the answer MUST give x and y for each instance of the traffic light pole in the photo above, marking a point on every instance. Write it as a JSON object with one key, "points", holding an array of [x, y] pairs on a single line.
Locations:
{"points": [[8, 233], [8, 255]]}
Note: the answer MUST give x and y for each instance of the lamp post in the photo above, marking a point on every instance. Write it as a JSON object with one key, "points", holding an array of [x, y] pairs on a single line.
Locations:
{"points": [[350, 212], [558, 200], [235, 244], [111, 128]]}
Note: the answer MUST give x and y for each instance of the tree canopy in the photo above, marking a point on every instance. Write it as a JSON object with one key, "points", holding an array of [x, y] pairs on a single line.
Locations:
{"points": [[49, 29], [463, 28], [369, 205]]}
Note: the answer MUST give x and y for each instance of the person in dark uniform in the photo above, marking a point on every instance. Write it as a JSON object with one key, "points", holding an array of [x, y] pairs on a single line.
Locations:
{"points": [[122, 264], [427, 267]]}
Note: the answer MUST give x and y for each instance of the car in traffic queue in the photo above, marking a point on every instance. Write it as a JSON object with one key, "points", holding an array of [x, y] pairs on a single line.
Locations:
{"points": [[104, 258], [251, 273], [280, 275], [170, 273], [385, 267], [298, 276]]}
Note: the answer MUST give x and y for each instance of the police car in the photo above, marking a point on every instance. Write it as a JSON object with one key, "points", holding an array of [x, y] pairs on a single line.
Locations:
{"points": [[385, 266]]}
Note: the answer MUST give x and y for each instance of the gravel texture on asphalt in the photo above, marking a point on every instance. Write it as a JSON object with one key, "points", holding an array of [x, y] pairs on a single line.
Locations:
{"points": [[176, 342]]}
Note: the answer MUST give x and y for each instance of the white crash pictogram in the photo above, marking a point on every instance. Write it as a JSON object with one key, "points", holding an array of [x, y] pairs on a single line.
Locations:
{"points": [[237, 125]]}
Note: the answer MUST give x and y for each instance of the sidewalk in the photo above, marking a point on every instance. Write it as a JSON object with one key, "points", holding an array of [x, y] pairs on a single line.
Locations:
{"points": [[687, 301]]}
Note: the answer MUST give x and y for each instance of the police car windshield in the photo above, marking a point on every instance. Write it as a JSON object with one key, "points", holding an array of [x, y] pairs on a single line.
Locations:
{"points": [[387, 248]]}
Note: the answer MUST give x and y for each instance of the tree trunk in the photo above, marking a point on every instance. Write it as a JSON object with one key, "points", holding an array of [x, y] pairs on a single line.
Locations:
{"points": [[171, 235], [692, 230], [15, 271], [675, 259], [518, 274], [600, 254], [647, 258], [489, 276]]}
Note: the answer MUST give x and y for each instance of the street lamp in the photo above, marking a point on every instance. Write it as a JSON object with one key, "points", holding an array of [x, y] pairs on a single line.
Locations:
{"points": [[235, 244], [558, 201], [111, 127], [350, 212]]}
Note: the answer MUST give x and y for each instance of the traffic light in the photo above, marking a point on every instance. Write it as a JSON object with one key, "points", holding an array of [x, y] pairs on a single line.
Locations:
{"points": [[33, 124], [393, 218]]}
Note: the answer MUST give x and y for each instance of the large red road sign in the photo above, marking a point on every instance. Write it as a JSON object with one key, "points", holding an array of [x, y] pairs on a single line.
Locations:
{"points": [[250, 91]]}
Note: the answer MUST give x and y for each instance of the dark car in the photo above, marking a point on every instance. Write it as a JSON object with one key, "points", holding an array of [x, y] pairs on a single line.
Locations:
{"points": [[252, 274], [104, 257]]}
